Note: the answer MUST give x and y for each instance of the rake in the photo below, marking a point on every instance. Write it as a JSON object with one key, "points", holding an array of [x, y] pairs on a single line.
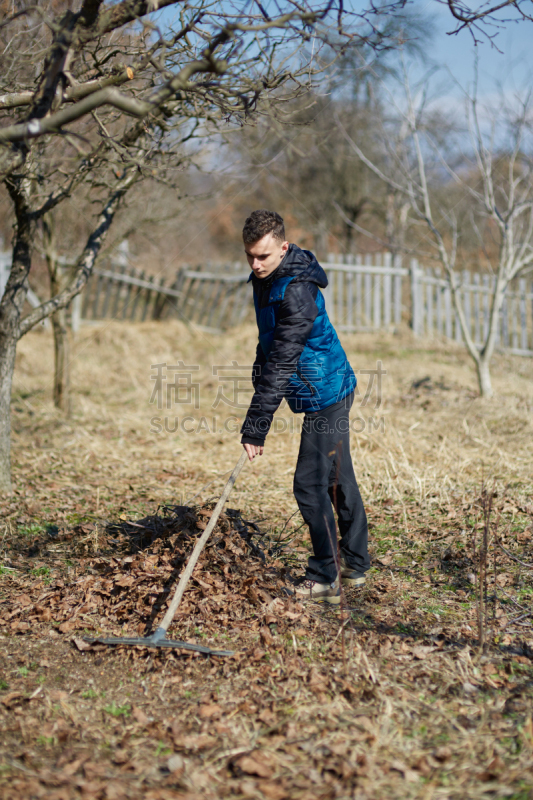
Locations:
{"points": [[158, 638]]}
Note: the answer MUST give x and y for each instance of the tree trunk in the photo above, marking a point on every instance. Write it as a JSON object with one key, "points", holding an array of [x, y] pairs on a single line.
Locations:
{"points": [[483, 377], [61, 361], [11, 306], [58, 282], [8, 349]]}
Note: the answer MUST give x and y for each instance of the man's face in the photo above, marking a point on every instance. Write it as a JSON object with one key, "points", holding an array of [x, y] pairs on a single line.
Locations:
{"points": [[265, 255]]}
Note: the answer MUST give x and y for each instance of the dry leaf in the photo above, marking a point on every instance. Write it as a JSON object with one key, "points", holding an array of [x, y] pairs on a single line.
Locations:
{"points": [[139, 715], [81, 644], [20, 627], [267, 716], [67, 626], [209, 710], [266, 636], [422, 652], [11, 699], [252, 766], [272, 790]]}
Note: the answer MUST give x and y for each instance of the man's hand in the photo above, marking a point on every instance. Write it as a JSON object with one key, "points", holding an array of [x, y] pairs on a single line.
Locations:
{"points": [[253, 450]]}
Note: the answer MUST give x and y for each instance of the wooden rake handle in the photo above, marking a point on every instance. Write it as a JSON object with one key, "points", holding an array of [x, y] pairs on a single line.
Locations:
{"points": [[199, 546]]}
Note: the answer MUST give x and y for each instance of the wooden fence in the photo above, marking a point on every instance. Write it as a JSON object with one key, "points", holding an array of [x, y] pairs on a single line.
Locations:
{"points": [[213, 301], [365, 293], [433, 315]]}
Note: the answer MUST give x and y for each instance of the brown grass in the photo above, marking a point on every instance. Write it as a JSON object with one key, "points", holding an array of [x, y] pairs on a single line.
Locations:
{"points": [[412, 710], [436, 440]]}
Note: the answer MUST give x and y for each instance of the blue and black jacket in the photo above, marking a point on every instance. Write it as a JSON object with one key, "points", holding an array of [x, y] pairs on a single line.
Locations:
{"points": [[299, 355]]}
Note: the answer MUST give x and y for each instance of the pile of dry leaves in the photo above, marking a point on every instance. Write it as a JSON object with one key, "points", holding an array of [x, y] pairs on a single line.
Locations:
{"points": [[125, 585]]}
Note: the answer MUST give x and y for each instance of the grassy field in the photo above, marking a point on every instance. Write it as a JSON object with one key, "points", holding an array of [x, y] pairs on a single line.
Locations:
{"points": [[388, 696]]}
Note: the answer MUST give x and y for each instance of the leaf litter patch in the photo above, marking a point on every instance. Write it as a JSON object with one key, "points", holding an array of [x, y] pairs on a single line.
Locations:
{"points": [[313, 705], [126, 572]]}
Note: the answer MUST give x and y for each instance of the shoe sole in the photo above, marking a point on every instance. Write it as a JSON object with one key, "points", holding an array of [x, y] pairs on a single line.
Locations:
{"points": [[334, 600], [353, 581]]}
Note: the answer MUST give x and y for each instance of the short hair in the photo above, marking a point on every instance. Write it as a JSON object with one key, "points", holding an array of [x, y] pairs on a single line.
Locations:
{"points": [[262, 222]]}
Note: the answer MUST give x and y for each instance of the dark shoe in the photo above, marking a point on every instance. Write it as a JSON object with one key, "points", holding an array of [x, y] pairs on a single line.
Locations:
{"points": [[319, 592], [350, 577]]}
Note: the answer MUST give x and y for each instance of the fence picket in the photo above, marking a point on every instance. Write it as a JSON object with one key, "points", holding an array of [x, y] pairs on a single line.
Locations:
{"points": [[466, 301], [226, 296], [522, 294], [209, 288], [236, 303], [97, 291], [486, 306], [245, 300], [415, 298], [160, 301], [114, 312], [341, 311], [513, 305], [147, 299], [189, 297], [438, 303], [107, 297], [127, 307], [136, 297], [477, 311], [387, 287], [429, 303], [349, 300], [458, 332], [359, 293], [368, 294], [397, 290], [377, 295], [87, 297], [505, 323]]}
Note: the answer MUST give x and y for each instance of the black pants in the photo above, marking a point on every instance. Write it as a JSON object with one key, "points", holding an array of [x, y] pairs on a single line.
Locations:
{"points": [[324, 479]]}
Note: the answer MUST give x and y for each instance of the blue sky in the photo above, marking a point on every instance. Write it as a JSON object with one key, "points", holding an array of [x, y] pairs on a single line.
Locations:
{"points": [[512, 68]]}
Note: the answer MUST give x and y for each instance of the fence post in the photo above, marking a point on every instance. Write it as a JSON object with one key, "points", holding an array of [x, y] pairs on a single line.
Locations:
{"points": [[415, 297]]}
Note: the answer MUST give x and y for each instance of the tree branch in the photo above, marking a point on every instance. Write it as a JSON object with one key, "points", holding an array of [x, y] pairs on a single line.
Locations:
{"points": [[110, 96], [86, 261]]}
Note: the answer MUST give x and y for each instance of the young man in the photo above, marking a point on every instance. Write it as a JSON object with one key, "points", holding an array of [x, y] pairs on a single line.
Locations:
{"points": [[299, 357]]}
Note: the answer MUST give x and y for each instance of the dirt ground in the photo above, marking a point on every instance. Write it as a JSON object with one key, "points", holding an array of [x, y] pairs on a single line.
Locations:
{"points": [[389, 695]]}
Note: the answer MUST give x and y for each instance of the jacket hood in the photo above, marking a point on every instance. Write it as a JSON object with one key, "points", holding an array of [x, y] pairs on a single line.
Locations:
{"points": [[299, 264]]}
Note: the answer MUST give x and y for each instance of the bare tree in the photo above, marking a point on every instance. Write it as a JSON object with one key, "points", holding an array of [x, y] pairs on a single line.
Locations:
{"points": [[97, 96], [495, 180]]}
